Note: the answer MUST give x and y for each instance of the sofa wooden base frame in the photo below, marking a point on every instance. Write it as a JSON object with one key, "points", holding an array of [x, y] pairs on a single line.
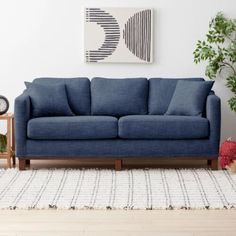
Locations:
{"points": [[118, 163]]}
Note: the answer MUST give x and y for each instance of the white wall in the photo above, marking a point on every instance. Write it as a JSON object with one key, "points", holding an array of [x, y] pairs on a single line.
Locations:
{"points": [[45, 38]]}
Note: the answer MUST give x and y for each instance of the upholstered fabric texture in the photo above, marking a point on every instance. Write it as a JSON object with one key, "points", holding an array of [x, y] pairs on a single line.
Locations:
{"points": [[22, 110], [161, 91], [129, 133], [120, 148], [77, 89], [163, 127], [189, 98], [213, 114], [77, 127], [48, 100], [119, 97]]}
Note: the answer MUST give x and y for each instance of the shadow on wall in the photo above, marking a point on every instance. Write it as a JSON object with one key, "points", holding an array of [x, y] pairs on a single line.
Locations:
{"points": [[228, 117]]}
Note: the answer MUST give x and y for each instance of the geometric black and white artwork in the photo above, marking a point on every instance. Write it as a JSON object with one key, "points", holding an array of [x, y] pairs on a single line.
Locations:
{"points": [[118, 35]]}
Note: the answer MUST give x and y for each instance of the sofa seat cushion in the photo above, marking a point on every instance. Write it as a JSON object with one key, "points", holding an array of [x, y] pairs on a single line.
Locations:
{"points": [[163, 127], [77, 127]]}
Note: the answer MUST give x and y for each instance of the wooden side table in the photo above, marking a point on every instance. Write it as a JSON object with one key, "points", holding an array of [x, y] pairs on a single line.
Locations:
{"points": [[10, 153]]}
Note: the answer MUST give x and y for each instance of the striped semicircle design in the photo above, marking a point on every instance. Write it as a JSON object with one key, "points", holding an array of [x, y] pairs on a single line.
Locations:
{"points": [[137, 34], [112, 34]]}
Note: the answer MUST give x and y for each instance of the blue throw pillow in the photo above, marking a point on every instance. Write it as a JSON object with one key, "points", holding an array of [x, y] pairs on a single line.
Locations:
{"points": [[161, 91], [189, 98], [48, 100], [77, 90]]}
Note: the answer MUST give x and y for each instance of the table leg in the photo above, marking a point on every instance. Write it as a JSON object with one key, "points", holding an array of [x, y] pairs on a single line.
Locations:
{"points": [[13, 141], [9, 142]]}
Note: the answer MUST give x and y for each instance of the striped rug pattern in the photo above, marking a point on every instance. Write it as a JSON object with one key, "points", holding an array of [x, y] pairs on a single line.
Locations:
{"points": [[110, 189]]}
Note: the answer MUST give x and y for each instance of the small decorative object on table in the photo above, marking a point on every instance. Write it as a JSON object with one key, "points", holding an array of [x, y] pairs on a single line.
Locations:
{"points": [[228, 155], [4, 105]]}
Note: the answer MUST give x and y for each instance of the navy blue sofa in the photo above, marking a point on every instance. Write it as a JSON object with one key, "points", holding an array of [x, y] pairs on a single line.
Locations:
{"points": [[118, 119]]}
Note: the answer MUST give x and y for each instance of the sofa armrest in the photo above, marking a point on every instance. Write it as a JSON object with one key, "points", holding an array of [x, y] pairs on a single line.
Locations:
{"points": [[213, 114], [21, 115]]}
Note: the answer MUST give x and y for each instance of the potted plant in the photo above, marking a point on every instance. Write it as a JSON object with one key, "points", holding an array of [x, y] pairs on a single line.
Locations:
{"points": [[219, 50], [3, 143]]}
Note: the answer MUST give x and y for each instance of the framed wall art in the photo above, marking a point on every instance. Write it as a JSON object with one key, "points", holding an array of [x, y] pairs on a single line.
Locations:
{"points": [[118, 35]]}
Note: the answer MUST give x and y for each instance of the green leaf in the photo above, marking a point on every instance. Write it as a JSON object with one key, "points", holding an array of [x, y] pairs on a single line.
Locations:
{"points": [[219, 50], [3, 143], [232, 103]]}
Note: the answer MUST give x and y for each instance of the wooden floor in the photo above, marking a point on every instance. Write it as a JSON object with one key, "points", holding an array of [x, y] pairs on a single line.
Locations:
{"points": [[132, 223], [113, 223]]}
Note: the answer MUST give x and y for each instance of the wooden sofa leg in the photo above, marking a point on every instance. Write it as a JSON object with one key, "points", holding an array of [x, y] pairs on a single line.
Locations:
{"points": [[22, 164], [27, 162], [118, 165], [209, 163], [214, 164]]}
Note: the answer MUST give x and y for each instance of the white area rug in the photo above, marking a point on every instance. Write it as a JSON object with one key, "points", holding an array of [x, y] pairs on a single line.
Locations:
{"points": [[109, 189]]}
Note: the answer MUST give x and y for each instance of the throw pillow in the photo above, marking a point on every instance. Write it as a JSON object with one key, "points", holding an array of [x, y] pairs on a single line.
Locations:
{"points": [[48, 100], [161, 91], [77, 90], [189, 98]]}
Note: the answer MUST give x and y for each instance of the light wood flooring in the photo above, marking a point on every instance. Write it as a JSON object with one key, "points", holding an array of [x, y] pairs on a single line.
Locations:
{"points": [[113, 223]]}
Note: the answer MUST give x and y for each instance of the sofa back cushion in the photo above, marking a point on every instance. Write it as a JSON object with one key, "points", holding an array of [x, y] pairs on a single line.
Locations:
{"points": [[119, 97], [161, 91], [77, 89]]}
